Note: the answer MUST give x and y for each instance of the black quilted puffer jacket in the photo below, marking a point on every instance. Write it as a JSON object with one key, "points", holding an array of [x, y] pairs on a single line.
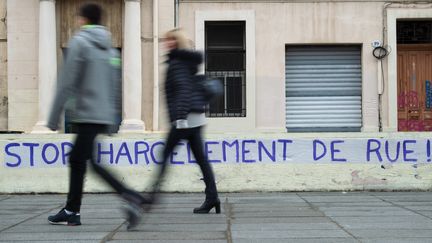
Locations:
{"points": [[183, 95]]}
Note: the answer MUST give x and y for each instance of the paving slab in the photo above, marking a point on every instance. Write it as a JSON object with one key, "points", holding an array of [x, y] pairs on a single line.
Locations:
{"points": [[72, 236], [394, 233], [257, 214], [339, 199], [396, 240], [425, 213], [47, 228], [287, 234], [42, 220], [283, 226], [388, 225], [168, 220], [168, 241], [272, 208], [352, 204], [407, 198], [54, 241], [381, 220], [299, 240], [418, 207], [369, 213], [405, 204], [185, 227], [281, 220], [361, 208], [205, 235]]}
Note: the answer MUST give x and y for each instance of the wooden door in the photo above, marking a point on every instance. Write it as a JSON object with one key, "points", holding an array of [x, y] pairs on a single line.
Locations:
{"points": [[414, 87], [112, 18]]}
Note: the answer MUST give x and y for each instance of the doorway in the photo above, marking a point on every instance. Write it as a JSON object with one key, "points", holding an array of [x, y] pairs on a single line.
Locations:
{"points": [[111, 18], [414, 75]]}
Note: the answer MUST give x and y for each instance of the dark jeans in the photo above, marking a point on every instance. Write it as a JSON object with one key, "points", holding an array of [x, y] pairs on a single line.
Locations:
{"points": [[193, 135], [80, 154]]}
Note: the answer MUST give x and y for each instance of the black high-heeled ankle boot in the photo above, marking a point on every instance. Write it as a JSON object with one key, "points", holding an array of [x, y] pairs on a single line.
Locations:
{"points": [[208, 205]]}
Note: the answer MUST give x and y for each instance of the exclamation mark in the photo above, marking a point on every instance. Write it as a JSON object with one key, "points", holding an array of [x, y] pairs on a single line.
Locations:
{"points": [[428, 151]]}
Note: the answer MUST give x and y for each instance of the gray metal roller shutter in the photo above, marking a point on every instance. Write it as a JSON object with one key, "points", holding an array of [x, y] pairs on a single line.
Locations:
{"points": [[323, 88]]}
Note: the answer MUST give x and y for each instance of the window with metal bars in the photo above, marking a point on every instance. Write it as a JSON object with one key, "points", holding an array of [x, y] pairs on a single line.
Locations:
{"points": [[225, 51]]}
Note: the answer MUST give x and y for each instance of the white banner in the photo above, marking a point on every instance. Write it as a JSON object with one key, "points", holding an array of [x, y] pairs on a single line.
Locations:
{"points": [[18, 154]]}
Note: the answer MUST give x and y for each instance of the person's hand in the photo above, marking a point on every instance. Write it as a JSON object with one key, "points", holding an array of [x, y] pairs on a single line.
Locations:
{"points": [[181, 124]]}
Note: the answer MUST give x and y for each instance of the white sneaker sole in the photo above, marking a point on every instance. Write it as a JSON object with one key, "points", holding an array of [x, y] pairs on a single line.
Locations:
{"points": [[58, 223], [62, 223]]}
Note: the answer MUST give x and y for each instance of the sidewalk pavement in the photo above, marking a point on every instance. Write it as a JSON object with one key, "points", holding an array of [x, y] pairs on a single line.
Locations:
{"points": [[246, 217]]}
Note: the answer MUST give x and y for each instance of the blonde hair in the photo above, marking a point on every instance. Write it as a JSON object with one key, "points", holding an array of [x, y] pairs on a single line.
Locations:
{"points": [[180, 37]]}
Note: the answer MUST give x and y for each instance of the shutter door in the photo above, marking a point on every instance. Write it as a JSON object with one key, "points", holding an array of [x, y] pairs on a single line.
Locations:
{"points": [[323, 88]]}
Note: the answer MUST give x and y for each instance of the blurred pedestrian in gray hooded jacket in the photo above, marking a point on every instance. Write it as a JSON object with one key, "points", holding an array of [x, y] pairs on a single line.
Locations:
{"points": [[90, 82]]}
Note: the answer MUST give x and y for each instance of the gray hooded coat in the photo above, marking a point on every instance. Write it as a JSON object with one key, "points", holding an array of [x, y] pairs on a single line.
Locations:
{"points": [[90, 80]]}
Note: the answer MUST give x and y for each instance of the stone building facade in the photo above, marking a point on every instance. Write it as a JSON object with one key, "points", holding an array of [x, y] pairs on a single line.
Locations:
{"points": [[318, 95]]}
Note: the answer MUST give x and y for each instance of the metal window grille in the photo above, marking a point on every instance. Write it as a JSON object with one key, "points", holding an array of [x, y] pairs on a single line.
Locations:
{"points": [[233, 102]]}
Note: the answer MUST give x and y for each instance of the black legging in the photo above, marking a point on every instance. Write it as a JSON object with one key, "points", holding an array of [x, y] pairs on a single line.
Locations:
{"points": [[193, 135], [82, 151]]}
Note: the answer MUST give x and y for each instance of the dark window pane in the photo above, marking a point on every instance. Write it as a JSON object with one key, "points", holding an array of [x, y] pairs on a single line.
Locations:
{"points": [[234, 95], [217, 105], [225, 35], [414, 32], [225, 61]]}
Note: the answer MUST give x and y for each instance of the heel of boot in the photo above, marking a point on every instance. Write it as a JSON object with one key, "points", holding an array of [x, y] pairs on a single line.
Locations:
{"points": [[217, 208]]}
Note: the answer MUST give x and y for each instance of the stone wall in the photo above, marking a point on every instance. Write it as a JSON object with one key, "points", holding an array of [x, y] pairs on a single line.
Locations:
{"points": [[350, 162]]}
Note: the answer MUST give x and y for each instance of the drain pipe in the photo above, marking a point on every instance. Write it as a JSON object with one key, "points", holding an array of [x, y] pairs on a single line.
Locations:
{"points": [[155, 65], [176, 13]]}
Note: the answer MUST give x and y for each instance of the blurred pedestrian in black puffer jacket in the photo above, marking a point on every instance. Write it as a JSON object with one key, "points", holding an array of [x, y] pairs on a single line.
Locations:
{"points": [[186, 105]]}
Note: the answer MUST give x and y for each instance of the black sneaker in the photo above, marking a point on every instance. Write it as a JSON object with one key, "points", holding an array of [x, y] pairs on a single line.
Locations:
{"points": [[133, 214], [133, 209], [138, 200], [62, 218]]}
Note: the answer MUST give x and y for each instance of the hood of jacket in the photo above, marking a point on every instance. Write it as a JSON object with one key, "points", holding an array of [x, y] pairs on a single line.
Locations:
{"points": [[98, 35]]}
